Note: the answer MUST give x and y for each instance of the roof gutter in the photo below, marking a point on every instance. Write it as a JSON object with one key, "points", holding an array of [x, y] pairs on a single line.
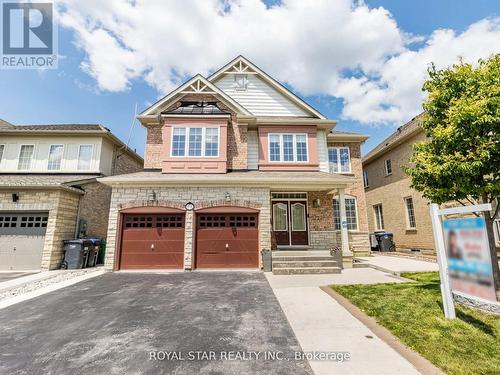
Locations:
{"points": [[369, 157]]}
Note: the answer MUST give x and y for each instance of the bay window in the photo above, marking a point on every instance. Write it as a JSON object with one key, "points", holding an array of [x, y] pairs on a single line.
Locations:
{"points": [[339, 159], [195, 142], [288, 148]]}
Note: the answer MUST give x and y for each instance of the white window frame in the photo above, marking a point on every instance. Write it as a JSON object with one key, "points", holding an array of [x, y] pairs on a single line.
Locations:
{"points": [[3, 146], [387, 173], [245, 82], [32, 156], [91, 157], [62, 157], [337, 150], [366, 183], [376, 213], [355, 206], [282, 155], [274, 217], [203, 142], [304, 217], [408, 222]]}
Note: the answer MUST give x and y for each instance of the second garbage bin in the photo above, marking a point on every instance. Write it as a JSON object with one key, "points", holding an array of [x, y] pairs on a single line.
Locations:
{"points": [[93, 251], [76, 253], [385, 241]]}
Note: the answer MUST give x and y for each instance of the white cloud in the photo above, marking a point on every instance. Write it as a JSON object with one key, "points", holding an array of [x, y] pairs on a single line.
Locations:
{"points": [[328, 47]]}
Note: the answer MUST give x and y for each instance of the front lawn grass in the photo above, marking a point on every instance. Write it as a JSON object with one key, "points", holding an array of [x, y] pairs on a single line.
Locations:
{"points": [[413, 312]]}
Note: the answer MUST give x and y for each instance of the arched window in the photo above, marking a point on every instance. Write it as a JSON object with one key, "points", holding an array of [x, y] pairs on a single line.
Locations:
{"points": [[351, 211], [280, 219]]}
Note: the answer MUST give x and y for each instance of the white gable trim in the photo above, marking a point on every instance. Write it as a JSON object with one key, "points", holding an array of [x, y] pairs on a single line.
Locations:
{"points": [[241, 65], [196, 85]]}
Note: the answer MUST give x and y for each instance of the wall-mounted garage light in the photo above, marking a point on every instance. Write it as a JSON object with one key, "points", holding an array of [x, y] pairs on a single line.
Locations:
{"points": [[228, 197], [316, 203], [189, 206], [152, 195], [15, 197]]}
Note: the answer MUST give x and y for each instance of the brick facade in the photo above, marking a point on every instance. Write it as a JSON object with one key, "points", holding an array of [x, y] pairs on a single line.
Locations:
{"points": [[236, 137], [390, 191]]}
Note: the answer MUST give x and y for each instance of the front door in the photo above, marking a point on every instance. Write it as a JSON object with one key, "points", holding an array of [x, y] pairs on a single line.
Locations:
{"points": [[290, 223]]}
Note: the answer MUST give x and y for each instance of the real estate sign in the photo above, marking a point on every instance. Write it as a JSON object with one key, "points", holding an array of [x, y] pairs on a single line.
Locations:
{"points": [[468, 257]]}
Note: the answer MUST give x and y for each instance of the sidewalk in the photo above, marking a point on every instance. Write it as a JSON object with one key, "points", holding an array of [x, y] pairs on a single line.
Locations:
{"points": [[321, 324], [396, 265]]}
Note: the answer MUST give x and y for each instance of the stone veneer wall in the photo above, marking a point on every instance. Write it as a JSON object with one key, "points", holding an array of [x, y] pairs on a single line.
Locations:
{"points": [[124, 197], [62, 207]]}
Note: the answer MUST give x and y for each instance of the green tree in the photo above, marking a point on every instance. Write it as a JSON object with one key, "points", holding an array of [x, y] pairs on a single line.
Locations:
{"points": [[460, 160]]}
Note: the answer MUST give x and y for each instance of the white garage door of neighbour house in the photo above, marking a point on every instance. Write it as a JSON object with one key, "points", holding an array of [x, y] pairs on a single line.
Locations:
{"points": [[22, 235]]}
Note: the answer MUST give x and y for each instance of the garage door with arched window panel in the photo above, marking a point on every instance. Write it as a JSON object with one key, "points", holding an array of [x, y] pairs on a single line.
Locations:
{"points": [[152, 241], [227, 240]]}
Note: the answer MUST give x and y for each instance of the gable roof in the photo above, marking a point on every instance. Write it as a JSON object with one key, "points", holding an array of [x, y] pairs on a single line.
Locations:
{"points": [[4, 124], [196, 85], [401, 134], [242, 65]]}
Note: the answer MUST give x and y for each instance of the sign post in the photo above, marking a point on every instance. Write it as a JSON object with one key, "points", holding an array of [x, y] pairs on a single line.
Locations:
{"points": [[448, 306], [464, 258]]}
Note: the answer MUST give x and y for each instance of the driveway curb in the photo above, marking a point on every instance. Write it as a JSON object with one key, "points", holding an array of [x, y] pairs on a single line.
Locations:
{"points": [[49, 288], [422, 364]]}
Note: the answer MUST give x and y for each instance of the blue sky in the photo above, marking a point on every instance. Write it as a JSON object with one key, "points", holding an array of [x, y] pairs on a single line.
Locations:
{"points": [[71, 95]]}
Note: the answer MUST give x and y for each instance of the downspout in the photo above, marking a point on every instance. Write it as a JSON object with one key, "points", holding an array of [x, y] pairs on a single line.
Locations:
{"points": [[77, 227]]}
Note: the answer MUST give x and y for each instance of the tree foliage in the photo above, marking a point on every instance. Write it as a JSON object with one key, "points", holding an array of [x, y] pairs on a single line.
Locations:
{"points": [[461, 157]]}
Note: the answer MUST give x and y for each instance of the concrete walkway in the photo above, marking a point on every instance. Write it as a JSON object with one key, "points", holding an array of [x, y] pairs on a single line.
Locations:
{"points": [[396, 265], [321, 324]]}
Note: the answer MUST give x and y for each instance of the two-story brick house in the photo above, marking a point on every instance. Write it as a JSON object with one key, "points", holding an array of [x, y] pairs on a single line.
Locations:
{"points": [[49, 192], [391, 202], [236, 163]]}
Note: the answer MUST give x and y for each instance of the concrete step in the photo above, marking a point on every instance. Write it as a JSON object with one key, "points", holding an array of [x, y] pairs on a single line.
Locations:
{"points": [[303, 259], [279, 253], [304, 264], [306, 271]]}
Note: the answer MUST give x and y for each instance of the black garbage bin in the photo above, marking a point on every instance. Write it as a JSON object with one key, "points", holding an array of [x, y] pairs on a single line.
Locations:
{"points": [[93, 251], [385, 241], [76, 253]]}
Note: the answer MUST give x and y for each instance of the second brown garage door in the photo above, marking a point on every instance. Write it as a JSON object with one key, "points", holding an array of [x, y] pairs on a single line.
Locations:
{"points": [[152, 241], [227, 240]]}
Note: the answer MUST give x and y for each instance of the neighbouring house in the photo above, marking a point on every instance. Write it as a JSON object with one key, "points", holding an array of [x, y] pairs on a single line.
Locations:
{"points": [[391, 203], [49, 192], [234, 164]]}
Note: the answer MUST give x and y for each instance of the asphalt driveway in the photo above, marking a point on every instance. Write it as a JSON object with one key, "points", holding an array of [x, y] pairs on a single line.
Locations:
{"points": [[115, 324]]}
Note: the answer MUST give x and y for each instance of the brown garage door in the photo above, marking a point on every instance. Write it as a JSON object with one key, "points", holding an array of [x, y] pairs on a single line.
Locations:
{"points": [[152, 241], [227, 241]]}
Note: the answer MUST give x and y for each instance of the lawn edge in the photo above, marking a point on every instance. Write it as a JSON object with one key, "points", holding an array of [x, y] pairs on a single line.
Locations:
{"points": [[422, 364]]}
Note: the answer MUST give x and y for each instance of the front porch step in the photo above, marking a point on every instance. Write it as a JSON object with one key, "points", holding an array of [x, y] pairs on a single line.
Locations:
{"points": [[279, 253], [306, 271], [303, 259], [304, 264]]}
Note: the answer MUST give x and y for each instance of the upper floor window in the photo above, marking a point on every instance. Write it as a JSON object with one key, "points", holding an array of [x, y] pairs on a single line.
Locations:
{"points": [[339, 159], [351, 212], [365, 179], [195, 142], [288, 147], [240, 82], [55, 157], [25, 157], [410, 213], [2, 148], [388, 167], [85, 157], [379, 216]]}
